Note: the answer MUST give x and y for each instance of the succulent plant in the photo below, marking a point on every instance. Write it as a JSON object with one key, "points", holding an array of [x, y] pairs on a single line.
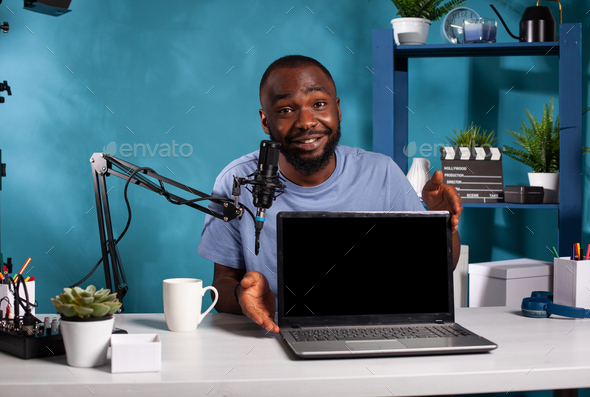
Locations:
{"points": [[85, 303]]}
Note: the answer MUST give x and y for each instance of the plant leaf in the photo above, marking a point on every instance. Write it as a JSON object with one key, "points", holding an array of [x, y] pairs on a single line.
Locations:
{"points": [[82, 311], [84, 301], [66, 310], [77, 291], [114, 306], [100, 309], [89, 291], [428, 9], [539, 141], [66, 298], [107, 298]]}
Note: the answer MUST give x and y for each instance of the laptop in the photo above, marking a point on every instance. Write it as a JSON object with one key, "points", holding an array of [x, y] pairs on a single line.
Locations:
{"points": [[363, 284]]}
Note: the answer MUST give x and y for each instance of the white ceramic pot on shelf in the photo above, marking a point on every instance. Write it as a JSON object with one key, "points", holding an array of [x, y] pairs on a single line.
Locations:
{"points": [[410, 31], [86, 341], [550, 183]]}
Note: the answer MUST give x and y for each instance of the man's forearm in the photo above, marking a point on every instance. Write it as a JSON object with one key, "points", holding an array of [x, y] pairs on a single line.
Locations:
{"points": [[227, 302]]}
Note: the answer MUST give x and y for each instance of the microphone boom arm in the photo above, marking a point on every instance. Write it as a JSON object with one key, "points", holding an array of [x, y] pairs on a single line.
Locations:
{"points": [[103, 165]]}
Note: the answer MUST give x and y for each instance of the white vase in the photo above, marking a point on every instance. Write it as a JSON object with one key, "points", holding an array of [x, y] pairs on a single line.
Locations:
{"points": [[419, 174], [550, 183], [86, 341], [412, 31]]}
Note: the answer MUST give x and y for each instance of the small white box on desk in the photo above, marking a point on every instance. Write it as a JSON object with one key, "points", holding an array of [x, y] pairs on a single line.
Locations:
{"points": [[506, 283], [5, 291], [136, 353], [571, 282]]}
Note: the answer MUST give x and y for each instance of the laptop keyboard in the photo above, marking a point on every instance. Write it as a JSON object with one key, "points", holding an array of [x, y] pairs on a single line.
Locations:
{"points": [[324, 334]]}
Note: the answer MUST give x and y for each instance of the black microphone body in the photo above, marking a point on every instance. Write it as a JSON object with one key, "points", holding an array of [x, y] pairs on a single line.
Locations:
{"points": [[266, 181]]}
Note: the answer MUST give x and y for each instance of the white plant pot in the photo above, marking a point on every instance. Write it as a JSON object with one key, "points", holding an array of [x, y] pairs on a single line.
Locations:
{"points": [[550, 183], [86, 341], [412, 31]]}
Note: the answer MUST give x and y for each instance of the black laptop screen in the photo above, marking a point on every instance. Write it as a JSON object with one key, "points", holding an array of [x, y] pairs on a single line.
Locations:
{"points": [[364, 264]]}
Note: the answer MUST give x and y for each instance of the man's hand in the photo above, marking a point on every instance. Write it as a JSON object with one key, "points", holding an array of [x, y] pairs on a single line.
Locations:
{"points": [[257, 300], [441, 197]]}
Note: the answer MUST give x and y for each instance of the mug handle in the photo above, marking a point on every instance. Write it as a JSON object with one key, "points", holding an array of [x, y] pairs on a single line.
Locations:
{"points": [[212, 288]]}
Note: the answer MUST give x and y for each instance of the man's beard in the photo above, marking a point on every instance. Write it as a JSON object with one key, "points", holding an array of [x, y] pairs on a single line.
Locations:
{"points": [[310, 166]]}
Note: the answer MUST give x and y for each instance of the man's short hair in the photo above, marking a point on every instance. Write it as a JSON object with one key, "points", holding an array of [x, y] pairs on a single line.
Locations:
{"points": [[292, 62]]}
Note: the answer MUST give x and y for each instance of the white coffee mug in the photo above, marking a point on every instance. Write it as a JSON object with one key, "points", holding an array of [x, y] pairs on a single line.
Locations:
{"points": [[183, 299]]}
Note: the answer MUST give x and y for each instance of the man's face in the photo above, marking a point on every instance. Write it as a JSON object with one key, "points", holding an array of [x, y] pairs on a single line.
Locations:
{"points": [[302, 113]]}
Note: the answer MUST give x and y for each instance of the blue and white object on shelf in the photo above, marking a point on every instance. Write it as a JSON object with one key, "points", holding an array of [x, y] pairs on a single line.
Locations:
{"points": [[419, 174], [451, 28], [410, 31], [480, 30]]}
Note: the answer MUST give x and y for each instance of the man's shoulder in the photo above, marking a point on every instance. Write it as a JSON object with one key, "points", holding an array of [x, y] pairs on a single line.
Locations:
{"points": [[241, 166], [355, 154]]}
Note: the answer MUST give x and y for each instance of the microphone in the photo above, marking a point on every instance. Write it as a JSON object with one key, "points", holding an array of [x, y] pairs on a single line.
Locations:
{"points": [[266, 182]]}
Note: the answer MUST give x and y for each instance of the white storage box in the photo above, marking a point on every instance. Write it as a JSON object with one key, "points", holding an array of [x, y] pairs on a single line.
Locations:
{"points": [[571, 282], [461, 278], [136, 353], [507, 283]]}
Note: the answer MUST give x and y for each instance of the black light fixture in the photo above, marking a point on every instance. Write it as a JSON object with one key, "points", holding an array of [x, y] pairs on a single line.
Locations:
{"points": [[54, 8]]}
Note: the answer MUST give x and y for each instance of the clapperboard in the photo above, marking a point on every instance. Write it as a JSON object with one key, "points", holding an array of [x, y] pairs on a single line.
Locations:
{"points": [[476, 173]]}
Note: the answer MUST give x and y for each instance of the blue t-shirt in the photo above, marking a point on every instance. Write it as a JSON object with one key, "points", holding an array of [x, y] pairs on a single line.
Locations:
{"points": [[362, 181]]}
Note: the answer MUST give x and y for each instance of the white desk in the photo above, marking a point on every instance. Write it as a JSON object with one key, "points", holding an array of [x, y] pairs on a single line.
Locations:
{"points": [[230, 356]]}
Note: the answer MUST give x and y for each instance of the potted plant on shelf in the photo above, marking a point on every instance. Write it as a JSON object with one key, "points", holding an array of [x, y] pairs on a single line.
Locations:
{"points": [[86, 324], [416, 17], [539, 142], [473, 165], [472, 137]]}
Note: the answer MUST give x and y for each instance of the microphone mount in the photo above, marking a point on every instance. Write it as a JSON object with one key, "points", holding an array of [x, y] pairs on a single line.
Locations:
{"points": [[271, 186]]}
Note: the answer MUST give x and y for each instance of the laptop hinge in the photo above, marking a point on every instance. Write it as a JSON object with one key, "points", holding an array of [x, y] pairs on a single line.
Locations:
{"points": [[439, 321]]}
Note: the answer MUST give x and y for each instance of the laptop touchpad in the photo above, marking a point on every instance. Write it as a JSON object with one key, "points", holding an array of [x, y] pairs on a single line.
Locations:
{"points": [[375, 345]]}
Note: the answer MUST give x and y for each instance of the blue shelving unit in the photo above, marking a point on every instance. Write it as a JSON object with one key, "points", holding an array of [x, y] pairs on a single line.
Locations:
{"points": [[390, 111]]}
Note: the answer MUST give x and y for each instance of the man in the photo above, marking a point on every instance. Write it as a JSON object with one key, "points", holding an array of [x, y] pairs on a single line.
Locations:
{"points": [[301, 111]]}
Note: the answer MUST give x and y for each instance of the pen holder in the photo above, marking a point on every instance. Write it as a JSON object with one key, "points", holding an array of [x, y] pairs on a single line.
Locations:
{"points": [[570, 281], [5, 291]]}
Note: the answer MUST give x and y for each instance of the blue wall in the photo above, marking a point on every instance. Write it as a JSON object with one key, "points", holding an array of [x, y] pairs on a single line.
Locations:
{"points": [[179, 83]]}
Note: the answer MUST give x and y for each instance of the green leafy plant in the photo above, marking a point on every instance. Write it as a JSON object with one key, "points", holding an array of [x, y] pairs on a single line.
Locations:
{"points": [[85, 303], [539, 141], [428, 9], [472, 136]]}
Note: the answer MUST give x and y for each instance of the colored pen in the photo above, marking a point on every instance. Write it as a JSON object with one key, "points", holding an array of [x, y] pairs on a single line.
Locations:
{"points": [[588, 252], [22, 269], [27, 279], [574, 253], [555, 252]]}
